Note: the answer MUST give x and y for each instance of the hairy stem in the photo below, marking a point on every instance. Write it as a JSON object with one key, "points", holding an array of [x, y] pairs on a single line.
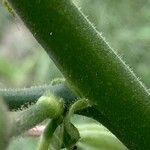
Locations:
{"points": [[46, 107], [47, 135], [15, 98], [91, 67]]}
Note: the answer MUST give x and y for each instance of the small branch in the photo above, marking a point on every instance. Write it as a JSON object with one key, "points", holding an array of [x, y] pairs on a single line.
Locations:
{"points": [[16, 98], [46, 107], [76, 107], [71, 134], [46, 137]]}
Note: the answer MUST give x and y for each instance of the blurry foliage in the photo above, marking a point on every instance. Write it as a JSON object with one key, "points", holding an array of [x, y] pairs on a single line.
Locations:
{"points": [[124, 24], [22, 60], [25, 143]]}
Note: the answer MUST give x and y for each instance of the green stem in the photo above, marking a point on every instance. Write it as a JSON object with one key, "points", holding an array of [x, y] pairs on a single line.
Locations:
{"points": [[47, 135], [71, 133], [15, 98], [76, 107], [46, 107], [91, 67]]}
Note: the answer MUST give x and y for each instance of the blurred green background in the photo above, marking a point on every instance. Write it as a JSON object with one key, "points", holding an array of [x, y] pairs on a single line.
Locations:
{"points": [[124, 24]]}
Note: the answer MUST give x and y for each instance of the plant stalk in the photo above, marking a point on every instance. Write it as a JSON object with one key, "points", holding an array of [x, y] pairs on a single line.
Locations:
{"points": [[46, 107], [93, 68]]}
